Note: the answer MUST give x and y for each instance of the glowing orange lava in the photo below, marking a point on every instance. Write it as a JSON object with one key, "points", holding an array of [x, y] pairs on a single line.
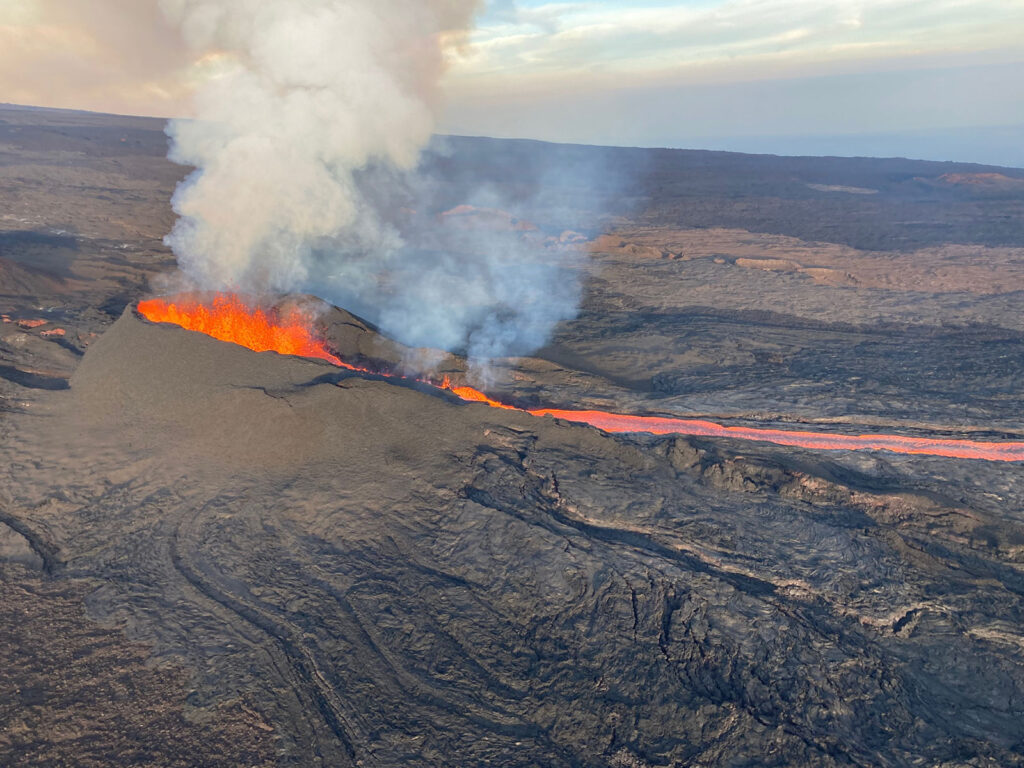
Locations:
{"points": [[228, 318], [658, 425], [471, 395]]}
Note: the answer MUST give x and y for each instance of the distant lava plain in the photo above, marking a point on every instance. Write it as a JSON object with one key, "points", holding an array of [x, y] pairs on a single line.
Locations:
{"points": [[250, 557]]}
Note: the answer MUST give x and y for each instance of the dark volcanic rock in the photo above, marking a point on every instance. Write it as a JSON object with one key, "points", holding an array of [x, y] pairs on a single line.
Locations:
{"points": [[215, 557], [400, 579], [81, 694]]}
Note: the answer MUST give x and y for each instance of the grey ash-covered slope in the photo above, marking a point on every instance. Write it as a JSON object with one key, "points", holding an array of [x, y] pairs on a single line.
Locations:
{"points": [[396, 578]]}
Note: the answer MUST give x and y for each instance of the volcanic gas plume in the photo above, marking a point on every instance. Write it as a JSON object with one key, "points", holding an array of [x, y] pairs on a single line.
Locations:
{"points": [[306, 148], [229, 318]]}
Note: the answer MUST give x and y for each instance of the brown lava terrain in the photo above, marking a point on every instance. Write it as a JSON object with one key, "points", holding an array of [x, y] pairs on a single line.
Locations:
{"points": [[210, 556]]}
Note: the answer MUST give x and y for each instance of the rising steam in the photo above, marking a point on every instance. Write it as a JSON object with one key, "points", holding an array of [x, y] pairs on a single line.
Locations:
{"points": [[304, 143]]}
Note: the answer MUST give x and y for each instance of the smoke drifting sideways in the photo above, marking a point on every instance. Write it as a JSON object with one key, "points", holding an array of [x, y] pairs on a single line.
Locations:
{"points": [[491, 252], [315, 171]]}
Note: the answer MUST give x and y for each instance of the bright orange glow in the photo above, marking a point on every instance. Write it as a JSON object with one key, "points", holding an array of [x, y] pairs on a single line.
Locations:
{"points": [[657, 425], [228, 318], [471, 395]]}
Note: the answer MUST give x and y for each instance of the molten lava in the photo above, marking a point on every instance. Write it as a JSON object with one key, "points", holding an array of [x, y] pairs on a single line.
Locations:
{"points": [[471, 395], [228, 318], [659, 425]]}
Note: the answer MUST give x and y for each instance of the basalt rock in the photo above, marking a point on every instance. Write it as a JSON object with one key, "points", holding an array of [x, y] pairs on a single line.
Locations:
{"points": [[400, 578]]}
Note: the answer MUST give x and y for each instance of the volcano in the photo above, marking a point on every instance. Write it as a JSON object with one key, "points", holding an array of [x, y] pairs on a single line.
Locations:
{"points": [[229, 318], [321, 547], [399, 561]]}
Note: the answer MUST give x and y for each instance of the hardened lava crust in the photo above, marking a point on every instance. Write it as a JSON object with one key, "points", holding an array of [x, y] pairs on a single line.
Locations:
{"points": [[248, 558]]}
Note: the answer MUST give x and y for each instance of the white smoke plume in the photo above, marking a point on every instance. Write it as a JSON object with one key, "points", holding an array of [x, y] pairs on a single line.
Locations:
{"points": [[304, 144]]}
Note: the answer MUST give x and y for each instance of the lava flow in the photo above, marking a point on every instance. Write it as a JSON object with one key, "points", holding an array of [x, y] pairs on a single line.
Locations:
{"points": [[228, 318]]}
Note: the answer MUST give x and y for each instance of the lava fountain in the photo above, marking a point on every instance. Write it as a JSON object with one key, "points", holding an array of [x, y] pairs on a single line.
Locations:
{"points": [[227, 317]]}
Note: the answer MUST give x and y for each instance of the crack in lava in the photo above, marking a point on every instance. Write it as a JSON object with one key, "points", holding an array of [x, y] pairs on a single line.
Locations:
{"points": [[228, 318]]}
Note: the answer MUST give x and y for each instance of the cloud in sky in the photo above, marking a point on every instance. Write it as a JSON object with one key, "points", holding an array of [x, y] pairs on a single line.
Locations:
{"points": [[729, 73], [570, 69], [614, 42]]}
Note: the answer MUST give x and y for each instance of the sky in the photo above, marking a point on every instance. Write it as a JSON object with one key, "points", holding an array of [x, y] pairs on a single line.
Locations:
{"points": [[942, 79]]}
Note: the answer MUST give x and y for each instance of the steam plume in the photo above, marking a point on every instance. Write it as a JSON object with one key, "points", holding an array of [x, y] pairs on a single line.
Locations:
{"points": [[303, 144]]}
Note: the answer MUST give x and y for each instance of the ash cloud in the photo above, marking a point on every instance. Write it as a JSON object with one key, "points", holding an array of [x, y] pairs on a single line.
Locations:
{"points": [[309, 91], [482, 264], [311, 174]]}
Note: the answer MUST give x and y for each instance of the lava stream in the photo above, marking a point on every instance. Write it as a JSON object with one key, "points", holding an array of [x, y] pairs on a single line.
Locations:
{"points": [[228, 318], [658, 425]]}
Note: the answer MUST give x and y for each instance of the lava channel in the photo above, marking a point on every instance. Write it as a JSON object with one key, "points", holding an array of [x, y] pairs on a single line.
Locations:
{"points": [[228, 318]]}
